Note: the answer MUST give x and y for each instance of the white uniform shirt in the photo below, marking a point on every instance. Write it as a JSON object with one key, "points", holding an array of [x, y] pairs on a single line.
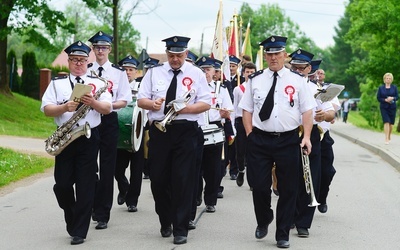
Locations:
{"points": [[238, 92], [326, 106], [336, 105], [289, 86], [156, 82], [221, 99], [59, 91], [117, 78]]}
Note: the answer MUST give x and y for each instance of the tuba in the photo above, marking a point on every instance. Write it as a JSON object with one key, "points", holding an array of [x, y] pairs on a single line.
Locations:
{"points": [[172, 114], [66, 133], [307, 178]]}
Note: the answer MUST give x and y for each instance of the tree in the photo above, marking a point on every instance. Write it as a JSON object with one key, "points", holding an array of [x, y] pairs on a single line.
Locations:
{"points": [[20, 16], [374, 35], [341, 58], [118, 24], [30, 75], [15, 80], [271, 19]]}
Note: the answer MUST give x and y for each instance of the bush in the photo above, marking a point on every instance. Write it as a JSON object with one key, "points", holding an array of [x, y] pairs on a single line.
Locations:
{"points": [[30, 75], [15, 79]]}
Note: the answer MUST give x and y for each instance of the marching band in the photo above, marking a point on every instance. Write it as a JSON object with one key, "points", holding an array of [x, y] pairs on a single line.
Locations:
{"points": [[181, 123]]}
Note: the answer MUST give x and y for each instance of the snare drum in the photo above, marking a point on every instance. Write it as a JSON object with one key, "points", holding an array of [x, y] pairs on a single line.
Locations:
{"points": [[213, 135]]}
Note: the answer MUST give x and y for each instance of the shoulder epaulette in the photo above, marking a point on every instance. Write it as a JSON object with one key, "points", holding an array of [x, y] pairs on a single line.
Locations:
{"points": [[153, 66], [117, 67], [297, 73], [223, 85], [256, 74], [90, 65], [91, 76], [59, 77]]}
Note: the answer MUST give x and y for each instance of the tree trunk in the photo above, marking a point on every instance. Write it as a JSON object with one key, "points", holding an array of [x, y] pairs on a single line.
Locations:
{"points": [[115, 31], [4, 87], [4, 31]]}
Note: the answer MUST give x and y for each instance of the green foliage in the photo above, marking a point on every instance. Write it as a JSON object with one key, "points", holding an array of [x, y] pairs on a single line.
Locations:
{"points": [[15, 166], [21, 116], [369, 105], [30, 75], [15, 80], [373, 36], [340, 58], [269, 20]]}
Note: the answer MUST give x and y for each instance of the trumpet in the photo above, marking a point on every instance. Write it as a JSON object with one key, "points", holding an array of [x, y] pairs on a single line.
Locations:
{"points": [[307, 178], [172, 114]]}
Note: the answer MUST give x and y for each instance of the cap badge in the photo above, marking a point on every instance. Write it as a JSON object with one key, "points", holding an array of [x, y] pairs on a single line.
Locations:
{"points": [[175, 39], [272, 39], [100, 33], [204, 59], [130, 57], [299, 52], [79, 43]]}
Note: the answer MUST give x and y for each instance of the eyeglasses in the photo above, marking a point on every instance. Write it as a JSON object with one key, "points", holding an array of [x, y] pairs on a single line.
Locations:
{"points": [[76, 60], [102, 48], [299, 68]]}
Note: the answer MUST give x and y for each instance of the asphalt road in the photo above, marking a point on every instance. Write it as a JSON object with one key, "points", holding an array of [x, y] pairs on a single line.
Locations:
{"points": [[363, 213]]}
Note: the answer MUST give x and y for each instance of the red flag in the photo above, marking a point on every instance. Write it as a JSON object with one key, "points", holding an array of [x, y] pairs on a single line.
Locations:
{"points": [[234, 41]]}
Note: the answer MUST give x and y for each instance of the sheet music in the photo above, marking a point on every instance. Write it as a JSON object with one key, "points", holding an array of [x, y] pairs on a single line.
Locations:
{"points": [[328, 92], [79, 90]]}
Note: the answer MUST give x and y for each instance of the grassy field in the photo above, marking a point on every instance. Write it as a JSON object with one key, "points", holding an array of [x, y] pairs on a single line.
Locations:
{"points": [[21, 116]]}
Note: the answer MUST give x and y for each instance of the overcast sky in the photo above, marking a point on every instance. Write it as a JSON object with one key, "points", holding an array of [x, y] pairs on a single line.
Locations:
{"points": [[191, 18]]}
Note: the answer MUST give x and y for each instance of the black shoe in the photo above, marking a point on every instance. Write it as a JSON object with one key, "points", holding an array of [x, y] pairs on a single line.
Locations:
{"points": [[302, 232], [146, 177], [191, 225], [76, 240], [180, 240], [101, 225], [262, 231], [283, 244], [323, 208], [220, 195], [210, 209], [121, 198], [275, 192], [132, 208], [233, 177], [166, 232], [240, 179]]}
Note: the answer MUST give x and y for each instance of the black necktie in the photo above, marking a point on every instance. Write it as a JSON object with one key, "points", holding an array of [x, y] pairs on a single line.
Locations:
{"points": [[78, 79], [171, 92], [268, 104], [100, 70]]}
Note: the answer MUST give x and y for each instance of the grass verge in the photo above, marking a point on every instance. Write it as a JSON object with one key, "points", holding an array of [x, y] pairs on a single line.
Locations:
{"points": [[15, 166]]}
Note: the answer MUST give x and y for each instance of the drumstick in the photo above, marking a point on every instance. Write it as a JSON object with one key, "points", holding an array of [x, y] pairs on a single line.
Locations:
{"points": [[222, 109]]}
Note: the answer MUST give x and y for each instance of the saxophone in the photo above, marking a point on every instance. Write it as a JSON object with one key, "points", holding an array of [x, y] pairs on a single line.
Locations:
{"points": [[66, 133]]}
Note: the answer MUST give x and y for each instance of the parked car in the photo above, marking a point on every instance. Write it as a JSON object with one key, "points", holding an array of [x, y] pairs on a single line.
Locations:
{"points": [[354, 103]]}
